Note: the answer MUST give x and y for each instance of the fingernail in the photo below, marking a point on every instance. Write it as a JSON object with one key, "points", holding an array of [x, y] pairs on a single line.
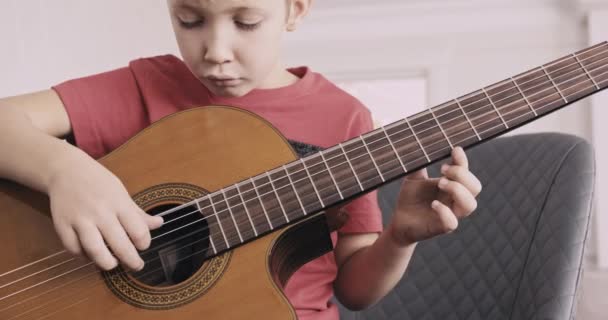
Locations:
{"points": [[435, 204], [443, 182], [444, 168]]}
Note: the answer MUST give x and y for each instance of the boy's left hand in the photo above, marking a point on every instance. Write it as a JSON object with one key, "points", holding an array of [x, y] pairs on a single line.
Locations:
{"points": [[428, 207]]}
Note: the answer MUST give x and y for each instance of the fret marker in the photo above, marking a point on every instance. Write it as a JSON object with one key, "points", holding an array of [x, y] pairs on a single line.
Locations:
{"points": [[246, 210], [331, 175], [495, 108], [294, 190], [418, 140], [394, 149], [441, 128], [587, 72], [312, 182], [210, 236], [232, 216], [468, 120], [553, 82], [372, 157], [351, 167], [524, 96], [219, 222], [277, 195], [261, 203]]}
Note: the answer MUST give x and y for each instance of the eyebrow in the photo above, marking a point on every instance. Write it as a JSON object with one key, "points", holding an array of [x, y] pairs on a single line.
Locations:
{"points": [[184, 5]]}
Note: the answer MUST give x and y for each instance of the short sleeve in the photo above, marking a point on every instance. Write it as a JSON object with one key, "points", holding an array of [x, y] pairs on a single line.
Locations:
{"points": [[364, 214], [105, 110]]}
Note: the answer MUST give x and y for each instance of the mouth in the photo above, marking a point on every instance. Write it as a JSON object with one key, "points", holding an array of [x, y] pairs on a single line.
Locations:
{"points": [[224, 81]]}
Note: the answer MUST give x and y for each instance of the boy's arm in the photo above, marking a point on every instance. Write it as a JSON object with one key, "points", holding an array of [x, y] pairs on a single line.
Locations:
{"points": [[86, 208], [369, 267], [29, 127]]}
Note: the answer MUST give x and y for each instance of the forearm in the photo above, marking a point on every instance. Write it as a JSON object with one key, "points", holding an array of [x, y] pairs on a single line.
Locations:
{"points": [[24, 147], [370, 273]]}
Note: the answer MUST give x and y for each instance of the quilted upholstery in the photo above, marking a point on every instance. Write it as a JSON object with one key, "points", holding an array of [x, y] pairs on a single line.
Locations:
{"points": [[519, 256]]}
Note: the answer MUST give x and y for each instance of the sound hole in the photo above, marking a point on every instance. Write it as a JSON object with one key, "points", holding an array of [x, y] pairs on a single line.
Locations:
{"points": [[178, 248]]}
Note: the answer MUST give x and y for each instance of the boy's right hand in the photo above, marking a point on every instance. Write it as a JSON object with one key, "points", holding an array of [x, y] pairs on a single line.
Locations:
{"points": [[89, 204]]}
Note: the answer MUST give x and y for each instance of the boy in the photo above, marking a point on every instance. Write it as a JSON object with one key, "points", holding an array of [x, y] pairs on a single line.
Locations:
{"points": [[231, 56]]}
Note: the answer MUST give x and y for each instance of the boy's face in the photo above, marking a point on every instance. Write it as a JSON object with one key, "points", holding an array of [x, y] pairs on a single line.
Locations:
{"points": [[232, 46]]}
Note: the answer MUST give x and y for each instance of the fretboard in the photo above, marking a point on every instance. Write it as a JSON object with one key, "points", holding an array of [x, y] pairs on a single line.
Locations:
{"points": [[282, 196]]}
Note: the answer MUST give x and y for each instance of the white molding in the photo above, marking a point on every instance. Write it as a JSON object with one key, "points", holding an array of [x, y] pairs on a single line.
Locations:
{"points": [[598, 31]]}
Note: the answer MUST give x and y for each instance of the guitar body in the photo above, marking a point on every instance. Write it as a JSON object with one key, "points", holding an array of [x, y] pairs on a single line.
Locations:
{"points": [[172, 162]]}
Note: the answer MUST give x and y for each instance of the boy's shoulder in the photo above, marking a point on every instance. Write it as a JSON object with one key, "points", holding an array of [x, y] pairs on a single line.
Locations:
{"points": [[340, 99], [168, 64]]}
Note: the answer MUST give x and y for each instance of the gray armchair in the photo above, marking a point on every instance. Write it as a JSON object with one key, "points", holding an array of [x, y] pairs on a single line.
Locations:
{"points": [[520, 255]]}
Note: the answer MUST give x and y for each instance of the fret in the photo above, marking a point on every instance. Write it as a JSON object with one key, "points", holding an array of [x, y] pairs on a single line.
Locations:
{"points": [[524, 96], [441, 128], [219, 222], [550, 79], [430, 135], [342, 171], [331, 175], [303, 187], [540, 91], [586, 71], [394, 150], [294, 190], [312, 183], [417, 140], [596, 62], [274, 189], [351, 167], [495, 109], [255, 188], [509, 101], [253, 203], [255, 231], [236, 226], [323, 182], [408, 147], [198, 206], [594, 57], [286, 194], [455, 124], [468, 119], [386, 158], [571, 78], [225, 217], [602, 76], [270, 201], [362, 163], [372, 157]]}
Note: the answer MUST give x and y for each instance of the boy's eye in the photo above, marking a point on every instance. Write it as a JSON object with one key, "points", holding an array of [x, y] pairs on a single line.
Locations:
{"points": [[190, 24], [247, 26]]}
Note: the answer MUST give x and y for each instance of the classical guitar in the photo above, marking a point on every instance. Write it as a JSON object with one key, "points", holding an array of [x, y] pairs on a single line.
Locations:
{"points": [[241, 211]]}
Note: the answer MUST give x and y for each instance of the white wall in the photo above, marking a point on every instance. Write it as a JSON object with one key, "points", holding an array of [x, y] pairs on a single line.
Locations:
{"points": [[460, 45], [45, 42], [598, 22]]}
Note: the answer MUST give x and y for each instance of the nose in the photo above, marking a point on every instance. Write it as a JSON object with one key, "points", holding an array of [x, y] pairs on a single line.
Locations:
{"points": [[218, 49]]}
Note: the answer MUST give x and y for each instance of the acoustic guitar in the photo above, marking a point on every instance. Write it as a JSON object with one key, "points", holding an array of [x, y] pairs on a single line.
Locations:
{"points": [[242, 212]]}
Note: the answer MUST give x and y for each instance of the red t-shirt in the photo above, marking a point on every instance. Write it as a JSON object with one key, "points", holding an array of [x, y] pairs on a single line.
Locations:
{"points": [[107, 109]]}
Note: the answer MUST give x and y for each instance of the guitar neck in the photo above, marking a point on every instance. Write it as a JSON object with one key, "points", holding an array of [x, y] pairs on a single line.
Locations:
{"points": [[284, 195]]}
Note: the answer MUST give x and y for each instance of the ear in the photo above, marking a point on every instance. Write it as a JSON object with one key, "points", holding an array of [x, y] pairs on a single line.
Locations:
{"points": [[296, 11]]}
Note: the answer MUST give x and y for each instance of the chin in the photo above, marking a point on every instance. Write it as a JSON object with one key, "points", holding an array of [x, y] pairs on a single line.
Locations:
{"points": [[229, 92]]}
